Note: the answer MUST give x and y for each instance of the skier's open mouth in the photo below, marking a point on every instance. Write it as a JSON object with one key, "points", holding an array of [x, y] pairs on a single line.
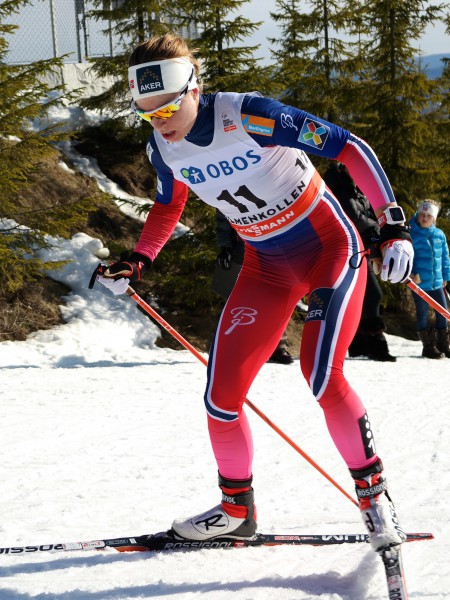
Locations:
{"points": [[169, 135]]}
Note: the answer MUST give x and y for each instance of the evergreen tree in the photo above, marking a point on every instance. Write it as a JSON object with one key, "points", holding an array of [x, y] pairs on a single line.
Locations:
{"points": [[442, 143], [227, 65], [440, 146], [314, 65], [25, 98], [398, 101], [130, 22]]}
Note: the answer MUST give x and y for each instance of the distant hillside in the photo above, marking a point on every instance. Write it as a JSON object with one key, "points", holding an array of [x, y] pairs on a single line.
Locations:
{"points": [[433, 65]]}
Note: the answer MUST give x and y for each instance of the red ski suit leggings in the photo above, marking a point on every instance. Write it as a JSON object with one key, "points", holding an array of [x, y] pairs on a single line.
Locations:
{"points": [[310, 258]]}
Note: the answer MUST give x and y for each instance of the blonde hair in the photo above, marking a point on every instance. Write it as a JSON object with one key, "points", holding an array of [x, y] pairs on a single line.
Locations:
{"points": [[163, 47]]}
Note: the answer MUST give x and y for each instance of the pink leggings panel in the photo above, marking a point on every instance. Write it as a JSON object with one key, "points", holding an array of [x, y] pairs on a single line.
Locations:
{"points": [[273, 279]]}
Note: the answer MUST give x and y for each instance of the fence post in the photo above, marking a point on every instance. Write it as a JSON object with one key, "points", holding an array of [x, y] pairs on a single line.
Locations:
{"points": [[77, 28], [80, 17], [54, 32]]}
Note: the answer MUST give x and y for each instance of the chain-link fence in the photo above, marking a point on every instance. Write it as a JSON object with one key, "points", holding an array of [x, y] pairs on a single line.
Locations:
{"points": [[51, 28]]}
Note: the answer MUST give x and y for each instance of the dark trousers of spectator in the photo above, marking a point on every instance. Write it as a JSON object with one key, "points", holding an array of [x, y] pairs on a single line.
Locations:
{"points": [[371, 306], [423, 308]]}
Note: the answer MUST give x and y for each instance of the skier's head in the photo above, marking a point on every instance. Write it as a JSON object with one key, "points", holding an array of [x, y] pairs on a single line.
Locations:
{"points": [[162, 76]]}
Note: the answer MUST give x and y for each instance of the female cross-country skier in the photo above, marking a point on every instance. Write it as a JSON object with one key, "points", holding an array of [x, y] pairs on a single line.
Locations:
{"points": [[246, 155]]}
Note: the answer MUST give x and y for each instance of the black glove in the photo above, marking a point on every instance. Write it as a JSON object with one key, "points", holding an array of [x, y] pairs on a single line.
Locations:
{"points": [[132, 267], [224, 258], [394, 232]]}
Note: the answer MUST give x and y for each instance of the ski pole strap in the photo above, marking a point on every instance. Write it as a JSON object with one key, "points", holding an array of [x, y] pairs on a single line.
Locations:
{"points": [[235, 483], [356, 260], [373, 469]]}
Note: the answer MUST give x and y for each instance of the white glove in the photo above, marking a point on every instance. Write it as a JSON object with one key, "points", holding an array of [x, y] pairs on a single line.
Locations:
{"points": [[398, 258], [116, 286]]}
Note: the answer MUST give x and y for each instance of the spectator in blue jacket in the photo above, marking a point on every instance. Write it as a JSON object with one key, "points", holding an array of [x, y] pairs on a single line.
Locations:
{"points": [[431, 271]]}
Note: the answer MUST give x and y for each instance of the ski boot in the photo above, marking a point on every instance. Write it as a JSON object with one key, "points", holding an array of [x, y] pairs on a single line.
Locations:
{"points": [[235, 517], [377, 509]]}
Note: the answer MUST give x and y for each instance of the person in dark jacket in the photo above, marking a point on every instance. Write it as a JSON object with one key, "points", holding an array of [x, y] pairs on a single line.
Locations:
{"points": [[229, 263], [369, 339], [431, 271]]}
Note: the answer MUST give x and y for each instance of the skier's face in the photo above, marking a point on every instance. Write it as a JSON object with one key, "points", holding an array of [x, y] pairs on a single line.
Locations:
{"points": [[178, 124]]}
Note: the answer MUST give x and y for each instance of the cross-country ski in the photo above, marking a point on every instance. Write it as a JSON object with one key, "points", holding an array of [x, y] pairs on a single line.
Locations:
{"points": [[166, 541]]}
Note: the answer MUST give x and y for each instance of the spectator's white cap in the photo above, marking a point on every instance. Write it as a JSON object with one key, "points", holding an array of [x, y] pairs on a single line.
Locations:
{"points": [[161, 77], [428, 207]]}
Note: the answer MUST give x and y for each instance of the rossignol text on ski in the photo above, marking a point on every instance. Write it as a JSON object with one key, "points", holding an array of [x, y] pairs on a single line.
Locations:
{"points": [[167, 541]]}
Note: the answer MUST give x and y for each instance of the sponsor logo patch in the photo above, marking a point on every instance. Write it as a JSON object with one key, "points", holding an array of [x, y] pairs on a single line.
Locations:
{"points": [[288, 122], [228, 124], [193, 175], [367, 436], [314, 134], [319, 302], [259, 125], [149, 79], [242, 315], [221, 168]]}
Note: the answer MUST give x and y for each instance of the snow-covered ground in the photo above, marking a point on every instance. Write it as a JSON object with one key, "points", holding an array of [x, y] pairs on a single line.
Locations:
{"points": [[104, 435]]}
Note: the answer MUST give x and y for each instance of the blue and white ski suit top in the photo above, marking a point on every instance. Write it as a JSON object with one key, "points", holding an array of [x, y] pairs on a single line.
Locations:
{"points": [[239, 138]]}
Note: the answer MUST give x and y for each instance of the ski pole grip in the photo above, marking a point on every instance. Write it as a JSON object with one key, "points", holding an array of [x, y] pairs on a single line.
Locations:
{"points": [[100, 268]]}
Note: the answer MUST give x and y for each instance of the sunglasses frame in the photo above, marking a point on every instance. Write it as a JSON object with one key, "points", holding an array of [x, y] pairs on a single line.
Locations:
{"points": [[148, 115]]}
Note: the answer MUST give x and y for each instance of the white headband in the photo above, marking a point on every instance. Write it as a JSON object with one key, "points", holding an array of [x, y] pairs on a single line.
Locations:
{"points": [[161, 77], [429, 209]]}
